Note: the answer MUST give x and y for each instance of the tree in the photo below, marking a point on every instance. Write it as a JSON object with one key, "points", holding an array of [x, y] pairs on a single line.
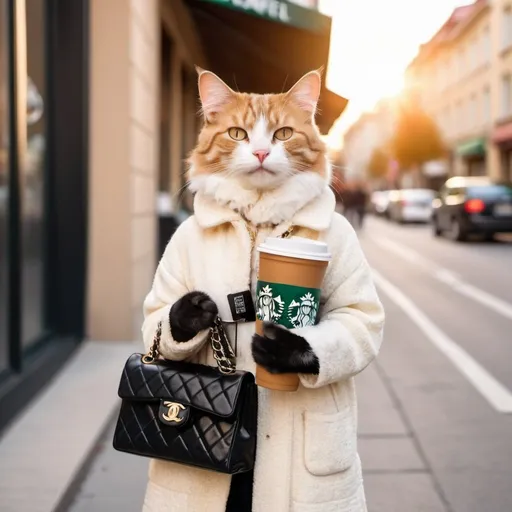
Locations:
{"points": [[378, 165], [416, 138]]}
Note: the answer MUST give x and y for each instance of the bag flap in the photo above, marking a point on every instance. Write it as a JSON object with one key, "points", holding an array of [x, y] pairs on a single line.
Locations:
{"points": [[198, 386]]}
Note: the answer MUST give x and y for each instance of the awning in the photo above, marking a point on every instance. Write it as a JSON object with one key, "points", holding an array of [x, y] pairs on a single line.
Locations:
{"points": [[265, 46], [473, 147], [503, 134]]}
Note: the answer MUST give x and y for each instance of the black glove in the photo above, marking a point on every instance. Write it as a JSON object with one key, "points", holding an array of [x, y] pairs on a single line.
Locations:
{"points": [[282, 351], [191, 314]]}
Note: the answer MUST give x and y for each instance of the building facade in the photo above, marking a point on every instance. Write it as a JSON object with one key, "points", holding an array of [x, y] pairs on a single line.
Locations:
{"points": [[98, 112], [462, 77], [452, 78]]}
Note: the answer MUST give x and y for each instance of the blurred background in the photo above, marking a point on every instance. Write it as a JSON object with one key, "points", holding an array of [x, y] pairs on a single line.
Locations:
{"points": [[98, 110]]}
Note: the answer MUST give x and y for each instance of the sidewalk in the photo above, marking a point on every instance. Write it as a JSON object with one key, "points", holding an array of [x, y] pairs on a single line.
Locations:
{"points": [[396, 476], [58, 456], [43, 450]]}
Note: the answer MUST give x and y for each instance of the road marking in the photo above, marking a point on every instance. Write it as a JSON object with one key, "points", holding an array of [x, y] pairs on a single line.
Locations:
{"points": [[451, 279], [491, 389]]}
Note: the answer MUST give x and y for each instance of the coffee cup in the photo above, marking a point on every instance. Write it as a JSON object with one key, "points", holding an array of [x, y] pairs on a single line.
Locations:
{"points": [[291, 272]]}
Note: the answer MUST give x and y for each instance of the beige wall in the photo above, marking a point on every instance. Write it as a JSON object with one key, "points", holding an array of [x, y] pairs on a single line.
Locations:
{"points": [[125, 150], [125, 38]]}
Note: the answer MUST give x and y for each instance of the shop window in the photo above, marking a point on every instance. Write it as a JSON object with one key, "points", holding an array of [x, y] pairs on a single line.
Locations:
{"points": [[4, 184], [43, 201], [33, 215]]}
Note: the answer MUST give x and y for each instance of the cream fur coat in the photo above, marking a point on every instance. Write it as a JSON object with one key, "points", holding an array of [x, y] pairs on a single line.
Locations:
{"points": [[307, 457]]}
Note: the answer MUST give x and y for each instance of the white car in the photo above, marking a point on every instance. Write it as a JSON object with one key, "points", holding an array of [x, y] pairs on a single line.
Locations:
{"points": [[379, 202], [412, 205]]}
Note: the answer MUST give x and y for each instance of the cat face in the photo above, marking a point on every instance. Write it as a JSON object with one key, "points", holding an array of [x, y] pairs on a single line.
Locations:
{"points": [[258, 140]]}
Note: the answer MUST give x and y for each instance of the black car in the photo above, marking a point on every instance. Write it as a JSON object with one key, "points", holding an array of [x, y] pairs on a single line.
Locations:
{"points": [[472, 205]]}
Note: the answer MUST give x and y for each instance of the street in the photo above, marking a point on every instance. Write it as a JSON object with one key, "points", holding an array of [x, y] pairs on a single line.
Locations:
{"points": [[435, 408], [446, 363]]}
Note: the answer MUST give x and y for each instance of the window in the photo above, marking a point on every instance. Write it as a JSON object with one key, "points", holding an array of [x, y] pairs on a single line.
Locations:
{"points": [[474, 113], [4, 183], [461, 67], [33, 221], [473, 55], [486, 46], [506, 35], [486, 106], [506, 105], [43, 149]]}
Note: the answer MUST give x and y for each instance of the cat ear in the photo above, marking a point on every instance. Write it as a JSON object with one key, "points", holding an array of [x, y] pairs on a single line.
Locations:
{"points": [[306, 91], [214, 93]]}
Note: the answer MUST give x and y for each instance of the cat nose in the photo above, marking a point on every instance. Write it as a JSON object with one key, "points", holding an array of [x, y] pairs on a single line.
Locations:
{"points": [[261, 155]]}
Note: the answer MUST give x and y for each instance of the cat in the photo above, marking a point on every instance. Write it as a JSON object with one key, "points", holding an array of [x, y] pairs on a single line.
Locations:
{"points": [[259, 144], [262, 155]]}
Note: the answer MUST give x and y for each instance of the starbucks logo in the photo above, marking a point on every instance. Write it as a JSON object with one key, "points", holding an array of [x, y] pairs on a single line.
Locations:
{"points": [[270, 308], [303, 312], [287, 305]]}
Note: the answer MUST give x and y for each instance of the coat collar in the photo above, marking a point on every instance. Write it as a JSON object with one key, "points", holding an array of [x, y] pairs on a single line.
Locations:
{"points": [[306, 201]]}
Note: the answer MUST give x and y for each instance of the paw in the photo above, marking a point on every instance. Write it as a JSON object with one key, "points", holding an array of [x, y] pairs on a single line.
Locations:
{"points": [[282, 351], [191, 314]]}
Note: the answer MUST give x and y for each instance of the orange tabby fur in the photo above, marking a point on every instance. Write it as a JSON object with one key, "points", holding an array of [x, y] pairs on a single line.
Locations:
{"points": [[305, 149]]}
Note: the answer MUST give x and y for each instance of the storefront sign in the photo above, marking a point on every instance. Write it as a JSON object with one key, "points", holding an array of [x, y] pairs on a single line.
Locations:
{"points": [[281, 11], [273, 9]]}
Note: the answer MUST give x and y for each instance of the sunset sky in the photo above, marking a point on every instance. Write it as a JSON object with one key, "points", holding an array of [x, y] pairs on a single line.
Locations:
{"points": [[372, 42]]}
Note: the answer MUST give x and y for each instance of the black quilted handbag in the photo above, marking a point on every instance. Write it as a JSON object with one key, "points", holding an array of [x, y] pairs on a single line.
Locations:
{"points": [[189, 413]]}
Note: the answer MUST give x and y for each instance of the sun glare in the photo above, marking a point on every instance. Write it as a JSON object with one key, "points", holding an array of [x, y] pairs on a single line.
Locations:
{"points": [[372, 43]]}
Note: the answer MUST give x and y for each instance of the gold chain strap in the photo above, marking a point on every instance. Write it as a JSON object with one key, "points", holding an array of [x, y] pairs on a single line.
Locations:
{"points": [[222, 350], [154, 351]]}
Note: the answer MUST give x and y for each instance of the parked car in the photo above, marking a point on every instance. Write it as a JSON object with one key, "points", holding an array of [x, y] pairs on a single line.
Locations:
{"points": [[379, 202], [472, 205], [411, 205]]}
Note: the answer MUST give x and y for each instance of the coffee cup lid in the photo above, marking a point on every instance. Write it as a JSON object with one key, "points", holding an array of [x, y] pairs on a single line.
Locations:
{"points": [[296, 247]]}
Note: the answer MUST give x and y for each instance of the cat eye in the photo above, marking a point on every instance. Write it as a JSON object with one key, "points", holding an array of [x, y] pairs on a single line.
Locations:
{"points": [[283, 133], [237, 133]]}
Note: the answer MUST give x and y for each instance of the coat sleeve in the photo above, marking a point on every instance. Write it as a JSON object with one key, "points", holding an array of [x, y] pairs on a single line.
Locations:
{"points": [[349, 334], [169, 285]]}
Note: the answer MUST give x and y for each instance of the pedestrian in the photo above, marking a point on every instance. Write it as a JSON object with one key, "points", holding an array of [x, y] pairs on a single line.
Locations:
{"points": [[260, 169], [359, 205], [350, 200], [346, 200]]}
